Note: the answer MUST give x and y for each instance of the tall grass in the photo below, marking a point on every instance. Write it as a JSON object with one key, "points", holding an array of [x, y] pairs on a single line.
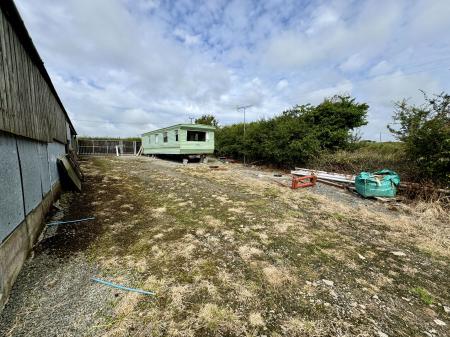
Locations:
{"points": [[367, 156]]}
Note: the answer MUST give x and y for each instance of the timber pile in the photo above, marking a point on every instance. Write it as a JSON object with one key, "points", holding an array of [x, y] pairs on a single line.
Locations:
{"points": [[325, 176], [346, 180]]}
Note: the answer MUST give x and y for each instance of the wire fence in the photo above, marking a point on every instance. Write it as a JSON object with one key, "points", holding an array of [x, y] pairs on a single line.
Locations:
{"points": [[104, 147]]}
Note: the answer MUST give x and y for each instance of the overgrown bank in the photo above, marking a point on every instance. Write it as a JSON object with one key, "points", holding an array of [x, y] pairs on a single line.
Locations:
{"points": [[323, 137], [367, 156]]}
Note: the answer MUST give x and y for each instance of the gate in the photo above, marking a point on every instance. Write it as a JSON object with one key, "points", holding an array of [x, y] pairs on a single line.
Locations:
{"points": [[106, 147]]}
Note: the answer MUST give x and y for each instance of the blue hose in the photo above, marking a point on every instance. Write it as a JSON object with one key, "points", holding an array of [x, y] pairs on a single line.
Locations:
{"points": [[69, 221], [118, 286]]}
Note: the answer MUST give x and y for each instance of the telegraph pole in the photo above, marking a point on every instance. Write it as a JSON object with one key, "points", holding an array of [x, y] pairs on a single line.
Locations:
{"points": [[192, 118], [243, 107]]}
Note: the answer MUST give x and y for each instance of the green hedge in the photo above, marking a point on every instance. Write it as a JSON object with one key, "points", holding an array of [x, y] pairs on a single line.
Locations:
{"points": [[297, 135]]}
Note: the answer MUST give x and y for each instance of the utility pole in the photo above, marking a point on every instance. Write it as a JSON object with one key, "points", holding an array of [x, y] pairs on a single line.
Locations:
{"points": [[192, 118], [243, 107]]}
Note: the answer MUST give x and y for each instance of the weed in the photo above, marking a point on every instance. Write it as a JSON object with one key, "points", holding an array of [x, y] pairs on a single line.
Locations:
{"points": [[423, 294]]}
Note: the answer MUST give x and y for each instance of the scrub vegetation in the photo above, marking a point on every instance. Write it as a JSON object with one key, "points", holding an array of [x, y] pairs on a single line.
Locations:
{"points": [[367, 156], [323, 137], [297, 135]]}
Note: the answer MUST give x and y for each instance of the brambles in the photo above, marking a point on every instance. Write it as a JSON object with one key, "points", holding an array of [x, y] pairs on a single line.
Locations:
{"points": [[425, 130]]}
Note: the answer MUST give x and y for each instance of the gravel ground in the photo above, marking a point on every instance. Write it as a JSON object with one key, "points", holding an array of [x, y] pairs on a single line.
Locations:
{"points": [[331, 192], [160, 247], [55, 297], [54, 294]]}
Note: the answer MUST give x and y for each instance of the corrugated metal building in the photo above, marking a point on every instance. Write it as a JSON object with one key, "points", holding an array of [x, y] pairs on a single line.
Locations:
{"points": [[34, 131]]}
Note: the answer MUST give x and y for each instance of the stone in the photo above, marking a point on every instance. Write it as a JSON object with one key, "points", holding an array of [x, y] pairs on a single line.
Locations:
{"points": [[439, 322], [382, 334], [398, 253], [328, 282]]}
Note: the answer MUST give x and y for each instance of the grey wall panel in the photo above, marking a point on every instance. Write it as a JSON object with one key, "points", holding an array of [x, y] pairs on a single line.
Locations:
{"points": [[31, 172], [55, 150], [11, 201], [45, 169]]}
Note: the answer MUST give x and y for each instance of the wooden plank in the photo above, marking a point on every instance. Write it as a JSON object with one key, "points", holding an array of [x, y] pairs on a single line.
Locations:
{"points": [[20, 115], [14, 80], [6, 67], [31, 103], [345, 178], [25, 91], [4, 73], [3, 103], [28, 107], [70, 172]]}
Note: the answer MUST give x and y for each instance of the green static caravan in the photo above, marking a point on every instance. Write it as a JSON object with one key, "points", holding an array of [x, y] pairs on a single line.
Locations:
{"points": [[180, 139]]}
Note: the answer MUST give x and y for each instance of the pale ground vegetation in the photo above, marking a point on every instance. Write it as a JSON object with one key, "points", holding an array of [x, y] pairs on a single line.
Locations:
{"points": [[230, 253]]}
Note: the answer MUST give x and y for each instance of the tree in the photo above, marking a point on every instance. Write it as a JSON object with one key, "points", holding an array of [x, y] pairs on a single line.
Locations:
{"points": [[207, 120], [297, 135], [425, 130]]}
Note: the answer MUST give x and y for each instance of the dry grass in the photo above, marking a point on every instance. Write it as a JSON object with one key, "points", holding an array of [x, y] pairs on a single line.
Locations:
{"points": [[230, 254]]}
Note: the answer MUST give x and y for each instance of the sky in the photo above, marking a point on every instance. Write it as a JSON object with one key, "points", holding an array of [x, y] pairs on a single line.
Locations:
{"points": [[124, 67]]}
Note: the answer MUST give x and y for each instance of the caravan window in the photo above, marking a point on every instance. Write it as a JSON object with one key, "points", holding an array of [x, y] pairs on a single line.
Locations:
{"points": [[176, 135], [165, 137], [196, 136], [156, 138]]}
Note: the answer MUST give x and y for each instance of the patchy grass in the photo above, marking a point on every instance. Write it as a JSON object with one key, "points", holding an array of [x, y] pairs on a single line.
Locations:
{"points": [[423, 294], [229, 254]]}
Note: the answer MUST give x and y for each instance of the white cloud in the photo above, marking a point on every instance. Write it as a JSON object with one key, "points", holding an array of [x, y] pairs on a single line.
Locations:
{"points": [[123, 67], [380, 68], [354, 62], [186, 37], [282, 84]]}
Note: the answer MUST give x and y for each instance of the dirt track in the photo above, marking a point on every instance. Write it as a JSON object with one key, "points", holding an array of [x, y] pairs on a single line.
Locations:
{"points": [[229, 253]]}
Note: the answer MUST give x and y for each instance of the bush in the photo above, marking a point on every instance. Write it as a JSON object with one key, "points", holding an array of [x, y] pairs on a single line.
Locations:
{"points": [[297, 135], [366, 156], [425, 130]]}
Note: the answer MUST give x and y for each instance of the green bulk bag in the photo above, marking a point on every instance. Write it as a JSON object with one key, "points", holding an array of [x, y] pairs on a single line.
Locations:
{"points": [[381, 183]]}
